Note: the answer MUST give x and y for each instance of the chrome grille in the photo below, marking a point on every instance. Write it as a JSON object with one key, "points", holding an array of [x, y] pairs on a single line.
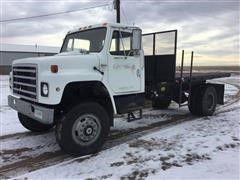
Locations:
{"points": [[25, 81]]}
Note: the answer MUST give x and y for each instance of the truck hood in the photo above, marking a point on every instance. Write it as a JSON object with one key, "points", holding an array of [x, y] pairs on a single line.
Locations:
{"points": [[58, 57], [71, 53], [64, 61]]}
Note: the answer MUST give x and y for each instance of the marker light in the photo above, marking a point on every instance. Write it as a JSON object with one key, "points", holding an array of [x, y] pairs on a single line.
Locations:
{"points": [[54, 68]]}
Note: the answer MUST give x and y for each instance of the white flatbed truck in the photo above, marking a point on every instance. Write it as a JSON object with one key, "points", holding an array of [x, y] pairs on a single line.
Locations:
{"points": [[101, 71]]}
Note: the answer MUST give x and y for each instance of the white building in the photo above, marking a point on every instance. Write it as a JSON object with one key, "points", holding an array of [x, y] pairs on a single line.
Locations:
{"points": [[10, 52]]}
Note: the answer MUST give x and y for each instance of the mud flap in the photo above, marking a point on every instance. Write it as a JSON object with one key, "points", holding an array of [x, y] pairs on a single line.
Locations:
{"points": [[220, 92]]}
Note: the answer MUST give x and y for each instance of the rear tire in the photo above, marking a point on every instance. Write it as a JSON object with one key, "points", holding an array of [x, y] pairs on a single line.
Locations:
{"points": [[203, 101], [193, 101], [208, 101], [161, 103], [83, 129], [32, 124]]}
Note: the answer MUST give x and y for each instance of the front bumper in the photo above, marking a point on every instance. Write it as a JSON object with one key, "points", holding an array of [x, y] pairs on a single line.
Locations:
{"points": [[39, 113]]}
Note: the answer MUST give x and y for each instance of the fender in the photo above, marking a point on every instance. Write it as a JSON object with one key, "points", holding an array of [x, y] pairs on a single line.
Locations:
{"points": [[88, 90]]}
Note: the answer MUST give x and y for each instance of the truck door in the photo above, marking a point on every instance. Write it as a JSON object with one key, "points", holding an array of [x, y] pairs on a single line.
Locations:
{"points": [[124, 66]]}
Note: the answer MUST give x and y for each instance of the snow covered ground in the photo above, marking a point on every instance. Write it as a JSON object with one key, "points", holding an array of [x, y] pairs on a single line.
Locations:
{"points": [[192, 148], [203, 148]]}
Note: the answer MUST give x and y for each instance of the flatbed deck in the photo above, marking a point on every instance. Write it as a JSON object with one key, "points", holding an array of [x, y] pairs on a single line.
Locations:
{"points": [[163, 82], [200, 76]]}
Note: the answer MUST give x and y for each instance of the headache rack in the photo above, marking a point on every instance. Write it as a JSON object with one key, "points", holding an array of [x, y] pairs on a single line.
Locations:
{"points": [[25, 81]]}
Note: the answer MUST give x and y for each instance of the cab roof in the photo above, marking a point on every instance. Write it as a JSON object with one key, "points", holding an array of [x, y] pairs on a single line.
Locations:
{"points": [[116, 25]]}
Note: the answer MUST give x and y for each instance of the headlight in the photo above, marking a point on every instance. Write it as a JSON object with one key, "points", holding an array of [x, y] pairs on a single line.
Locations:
{"points": [[44, 89]]}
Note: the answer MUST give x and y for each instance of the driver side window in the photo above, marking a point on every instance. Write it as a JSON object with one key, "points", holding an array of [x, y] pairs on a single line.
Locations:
{"points": [[121, 43]]}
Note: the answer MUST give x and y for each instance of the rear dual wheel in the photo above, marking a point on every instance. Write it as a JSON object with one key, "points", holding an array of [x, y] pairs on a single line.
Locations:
{"points": [[203, 101]]}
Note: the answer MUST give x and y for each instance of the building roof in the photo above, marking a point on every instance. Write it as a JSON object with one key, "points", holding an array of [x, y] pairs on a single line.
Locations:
{"points": [[28, 48]]}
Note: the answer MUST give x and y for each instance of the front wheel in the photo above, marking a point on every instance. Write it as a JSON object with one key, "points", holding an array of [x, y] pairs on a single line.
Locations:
{"points": [[32, 124], [83, 129]]}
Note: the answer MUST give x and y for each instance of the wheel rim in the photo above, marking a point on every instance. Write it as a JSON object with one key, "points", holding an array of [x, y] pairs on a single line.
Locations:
{"points": [[210, 101], [86, 129]]}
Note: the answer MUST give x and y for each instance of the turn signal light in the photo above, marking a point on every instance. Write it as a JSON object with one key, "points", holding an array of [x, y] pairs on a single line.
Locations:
{"points": [[54, 68]]}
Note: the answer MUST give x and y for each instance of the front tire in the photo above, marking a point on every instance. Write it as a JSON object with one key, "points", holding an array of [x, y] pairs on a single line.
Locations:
{"points": [[83, 129], [32, 124]]}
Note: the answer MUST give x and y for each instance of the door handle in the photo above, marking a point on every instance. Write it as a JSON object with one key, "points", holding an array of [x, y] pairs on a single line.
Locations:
{"points": [[103, 65]]}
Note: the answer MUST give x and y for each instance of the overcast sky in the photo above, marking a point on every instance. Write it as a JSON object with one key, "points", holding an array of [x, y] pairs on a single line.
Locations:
{"points": [[209, 28]]}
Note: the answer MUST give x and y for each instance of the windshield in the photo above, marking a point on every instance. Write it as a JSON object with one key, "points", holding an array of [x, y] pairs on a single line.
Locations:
{"points": [[91, 40]]}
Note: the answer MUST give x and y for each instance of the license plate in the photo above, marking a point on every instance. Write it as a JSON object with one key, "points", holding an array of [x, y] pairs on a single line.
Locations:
{"points": [[38, 113]]}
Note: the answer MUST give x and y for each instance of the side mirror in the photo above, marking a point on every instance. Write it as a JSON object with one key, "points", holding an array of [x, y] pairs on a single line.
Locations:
{"points": [[137, 39]]}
